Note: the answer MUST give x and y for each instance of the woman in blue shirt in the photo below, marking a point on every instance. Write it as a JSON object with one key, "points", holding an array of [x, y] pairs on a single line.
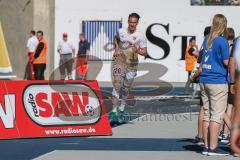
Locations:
{"points": [[214, 83]]}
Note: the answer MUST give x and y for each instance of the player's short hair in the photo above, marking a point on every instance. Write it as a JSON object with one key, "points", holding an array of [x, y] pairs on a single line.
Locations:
{"points": [[231, 34], [33, 32], [134, 15], [41, 32], [192, 39], [207, 31]]}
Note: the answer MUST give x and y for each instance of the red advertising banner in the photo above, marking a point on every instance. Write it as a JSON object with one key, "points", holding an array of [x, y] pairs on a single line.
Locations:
{"points": [[30, 109]]}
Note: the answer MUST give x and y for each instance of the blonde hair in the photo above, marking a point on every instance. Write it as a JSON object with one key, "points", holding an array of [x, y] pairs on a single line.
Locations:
{"points": [[219, 27]]}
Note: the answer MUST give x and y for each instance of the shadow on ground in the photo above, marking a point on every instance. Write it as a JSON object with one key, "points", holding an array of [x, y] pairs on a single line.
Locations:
{"points": [[32, 148]]}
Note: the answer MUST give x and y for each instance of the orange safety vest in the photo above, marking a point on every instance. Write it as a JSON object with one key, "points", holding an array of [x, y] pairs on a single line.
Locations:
{"points": [[190, 60], [42, 59]]}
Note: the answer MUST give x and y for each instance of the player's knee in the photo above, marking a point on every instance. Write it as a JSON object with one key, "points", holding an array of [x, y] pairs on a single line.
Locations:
{"points": [[117, 86], [126, 90], [115, 93]]}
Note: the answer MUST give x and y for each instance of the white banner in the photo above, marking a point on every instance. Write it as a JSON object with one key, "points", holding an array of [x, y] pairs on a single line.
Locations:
{"points": [[167, 24]]}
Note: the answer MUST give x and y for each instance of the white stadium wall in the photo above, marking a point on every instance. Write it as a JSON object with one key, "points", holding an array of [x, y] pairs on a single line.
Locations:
{"points": [[178, 17]]}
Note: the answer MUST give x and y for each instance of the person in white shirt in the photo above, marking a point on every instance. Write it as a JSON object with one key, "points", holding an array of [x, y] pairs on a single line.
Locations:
{"points": [[129, 43], [67, 52], [31, 46]]}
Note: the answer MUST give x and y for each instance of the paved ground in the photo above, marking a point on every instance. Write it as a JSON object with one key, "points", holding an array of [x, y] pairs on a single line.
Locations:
{"points": [[163, 130], [141, 139]]}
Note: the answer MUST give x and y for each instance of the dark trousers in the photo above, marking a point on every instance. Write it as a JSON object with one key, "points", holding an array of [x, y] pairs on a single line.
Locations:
{"points": [[66, 62], [39, 71]]}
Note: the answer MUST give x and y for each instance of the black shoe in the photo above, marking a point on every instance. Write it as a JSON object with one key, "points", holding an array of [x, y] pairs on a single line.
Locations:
{"points": [[225, 139], [217, 152], [198, 141]]}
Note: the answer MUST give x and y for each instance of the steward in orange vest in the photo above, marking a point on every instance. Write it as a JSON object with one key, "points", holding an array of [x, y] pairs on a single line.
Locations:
{"points": [[40, 57], [191, 55]]}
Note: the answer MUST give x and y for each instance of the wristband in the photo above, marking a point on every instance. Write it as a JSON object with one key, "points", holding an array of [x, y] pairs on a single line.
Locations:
{"points": [[232, 83]]}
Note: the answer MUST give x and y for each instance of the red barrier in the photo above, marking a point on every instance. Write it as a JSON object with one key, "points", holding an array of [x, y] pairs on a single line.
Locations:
{"points": [[51, 109]]}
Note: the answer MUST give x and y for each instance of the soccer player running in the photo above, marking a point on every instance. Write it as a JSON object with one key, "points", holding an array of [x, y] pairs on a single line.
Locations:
{"points": [[129, 43]]}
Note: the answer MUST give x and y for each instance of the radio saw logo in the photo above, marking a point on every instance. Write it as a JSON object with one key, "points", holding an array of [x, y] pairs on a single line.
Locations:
{"points": [[68, 104]]}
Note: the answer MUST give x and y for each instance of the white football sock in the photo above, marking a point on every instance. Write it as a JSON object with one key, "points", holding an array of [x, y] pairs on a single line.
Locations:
{"points": [[114, 109], [122, 107]]}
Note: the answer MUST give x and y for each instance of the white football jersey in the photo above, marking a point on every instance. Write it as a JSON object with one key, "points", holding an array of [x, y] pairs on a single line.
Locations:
{"points": [[137, 38]]}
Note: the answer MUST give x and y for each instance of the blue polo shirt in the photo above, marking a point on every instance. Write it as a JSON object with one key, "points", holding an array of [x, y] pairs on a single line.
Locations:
{"points": [[213, 69], [83, 46]]}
